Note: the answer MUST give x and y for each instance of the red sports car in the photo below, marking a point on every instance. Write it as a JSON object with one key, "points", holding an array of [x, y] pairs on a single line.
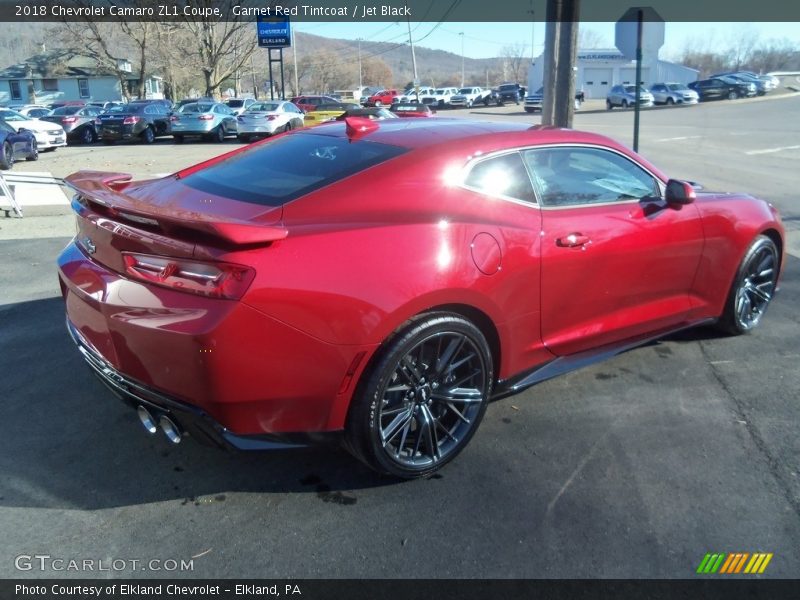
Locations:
{"points": [[381, 281]]}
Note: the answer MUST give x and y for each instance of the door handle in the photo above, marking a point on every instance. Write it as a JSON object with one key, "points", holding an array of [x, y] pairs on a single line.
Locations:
{"points": [[572, 240]]}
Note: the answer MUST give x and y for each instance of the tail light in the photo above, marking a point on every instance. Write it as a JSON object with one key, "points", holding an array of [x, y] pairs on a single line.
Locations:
{"points": [[205, 117], [131, 120], [174, 118], [271, 117], [214, 280], [69, 120]]}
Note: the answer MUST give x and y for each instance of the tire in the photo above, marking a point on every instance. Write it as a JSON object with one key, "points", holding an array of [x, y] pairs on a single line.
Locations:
{"points": [[148, 135], [752, 289], [6, 156], [670, 101], [398, 423], [88, 136], [529, 110], [609, 106], [732, 95], [34, 155], [624, 104], [218, 135], [178, 139]]}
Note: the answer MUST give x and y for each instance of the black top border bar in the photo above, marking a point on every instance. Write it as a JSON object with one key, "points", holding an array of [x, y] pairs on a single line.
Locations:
{"points": [[361, 11]]}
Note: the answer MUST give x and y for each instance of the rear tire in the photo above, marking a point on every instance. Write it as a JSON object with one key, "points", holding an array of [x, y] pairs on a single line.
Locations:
{"points": [[670, 101], [6, 156], [218, 135], [609, 106], [419, 403], [148, 135], [88, 136], [732, 95], [752, 289]]}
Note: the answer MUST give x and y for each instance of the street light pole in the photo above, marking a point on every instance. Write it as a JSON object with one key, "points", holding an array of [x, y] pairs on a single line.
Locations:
{"points": [[413, 59], [462, 58], [360, 76]]}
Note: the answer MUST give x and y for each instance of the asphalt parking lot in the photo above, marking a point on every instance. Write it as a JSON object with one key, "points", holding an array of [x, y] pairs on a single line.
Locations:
{"points": [[636, 467]]}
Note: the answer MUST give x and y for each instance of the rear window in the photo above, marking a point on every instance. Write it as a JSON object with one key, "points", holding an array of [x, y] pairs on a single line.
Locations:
{"points": [[280, 171], [66, 110], [235, 103]]}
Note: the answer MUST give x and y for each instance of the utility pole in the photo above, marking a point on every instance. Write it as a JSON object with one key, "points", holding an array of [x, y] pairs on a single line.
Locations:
{"points": [[360, 74], [413, 59], [294, 56], [253, 72], [561, 46], [533, 31], [462, 58]]}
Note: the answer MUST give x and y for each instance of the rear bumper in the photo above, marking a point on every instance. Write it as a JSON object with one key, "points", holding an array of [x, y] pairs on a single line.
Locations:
{"points": [[190, 419], [250, 373]]}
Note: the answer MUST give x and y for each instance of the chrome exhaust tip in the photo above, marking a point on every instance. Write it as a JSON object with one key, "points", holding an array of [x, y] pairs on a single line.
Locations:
{"points": [[148, 420], [170, 429]]}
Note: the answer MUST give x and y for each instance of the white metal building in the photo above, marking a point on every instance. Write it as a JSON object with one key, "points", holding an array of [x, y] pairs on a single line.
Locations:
{"points": [[598, 70]]}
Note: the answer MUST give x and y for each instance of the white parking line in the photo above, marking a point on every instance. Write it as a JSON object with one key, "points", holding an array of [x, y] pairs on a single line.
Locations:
{"points": [[771, 150], [675, 139]]}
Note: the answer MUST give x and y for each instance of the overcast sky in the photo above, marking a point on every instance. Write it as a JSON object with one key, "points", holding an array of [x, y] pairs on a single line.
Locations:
{"points": [[484, 40]]}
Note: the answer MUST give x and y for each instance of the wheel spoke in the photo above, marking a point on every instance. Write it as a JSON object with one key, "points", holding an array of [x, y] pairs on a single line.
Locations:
{"points": [[428, 429], [455, 365], [402, 443], [458, 413], [754, 291], [449, 353], [410, 370], [445, 431], [395, 426], [460, 395], [398, 388]]}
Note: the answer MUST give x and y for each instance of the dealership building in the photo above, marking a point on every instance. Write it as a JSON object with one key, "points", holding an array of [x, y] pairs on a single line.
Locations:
{"points": [[598, 70]]}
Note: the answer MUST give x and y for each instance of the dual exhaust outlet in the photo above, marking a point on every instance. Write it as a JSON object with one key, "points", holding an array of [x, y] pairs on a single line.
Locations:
{"points": [[167, 425]]}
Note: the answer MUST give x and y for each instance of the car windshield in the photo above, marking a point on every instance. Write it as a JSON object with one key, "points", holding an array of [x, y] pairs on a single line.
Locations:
{"points": [[728, 79], [66, 110], [10, 115], [263, 107], [277, 172], [196, 108], [677, 87], [465, 91], [507, 88], [631, 89]]}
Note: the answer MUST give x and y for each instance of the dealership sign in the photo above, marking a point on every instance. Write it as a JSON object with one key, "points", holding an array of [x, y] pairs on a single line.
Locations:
{"points": [[273, 32]]}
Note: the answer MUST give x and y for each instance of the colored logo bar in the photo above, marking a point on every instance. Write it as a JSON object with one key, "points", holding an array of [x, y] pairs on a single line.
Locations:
{"points": [[731, 563]]}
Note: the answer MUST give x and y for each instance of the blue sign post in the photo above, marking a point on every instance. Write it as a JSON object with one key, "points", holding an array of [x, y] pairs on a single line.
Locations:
{"points": [[273, 32]]}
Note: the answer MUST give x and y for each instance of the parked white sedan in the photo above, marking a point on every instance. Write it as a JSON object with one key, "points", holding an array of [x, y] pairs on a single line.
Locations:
{"points": [[49, 136], [268, 118]]}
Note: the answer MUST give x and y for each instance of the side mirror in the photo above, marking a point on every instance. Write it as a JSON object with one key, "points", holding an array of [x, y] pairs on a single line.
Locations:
{"points": [[679, 192]]}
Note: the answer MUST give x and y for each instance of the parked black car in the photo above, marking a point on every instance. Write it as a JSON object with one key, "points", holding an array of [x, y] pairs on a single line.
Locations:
{"points": [[508, 92], [144, 121], [77, 121], [718, 88]]}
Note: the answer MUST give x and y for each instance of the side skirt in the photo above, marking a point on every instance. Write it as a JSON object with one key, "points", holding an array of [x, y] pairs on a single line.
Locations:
{"points": [[572, 362]]}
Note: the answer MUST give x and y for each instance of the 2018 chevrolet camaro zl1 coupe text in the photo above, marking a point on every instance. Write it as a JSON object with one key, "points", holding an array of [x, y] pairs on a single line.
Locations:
{"points": [[380, 282]]}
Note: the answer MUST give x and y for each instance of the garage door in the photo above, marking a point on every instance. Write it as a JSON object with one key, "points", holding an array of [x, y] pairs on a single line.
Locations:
{"points": [[597, 82], [628, 75]]}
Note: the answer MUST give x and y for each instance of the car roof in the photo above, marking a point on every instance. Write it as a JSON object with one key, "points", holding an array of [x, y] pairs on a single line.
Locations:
{"points": [[421, 133]]}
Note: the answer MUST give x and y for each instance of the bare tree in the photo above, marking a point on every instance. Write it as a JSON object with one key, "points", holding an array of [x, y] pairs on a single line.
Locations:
{"points": [[221, 46], [514, 61], [589, 39], [375, 71], [742, 44]]}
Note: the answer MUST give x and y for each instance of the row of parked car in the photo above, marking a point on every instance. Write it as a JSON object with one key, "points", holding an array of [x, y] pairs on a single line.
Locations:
{"points": [[720, 86]]}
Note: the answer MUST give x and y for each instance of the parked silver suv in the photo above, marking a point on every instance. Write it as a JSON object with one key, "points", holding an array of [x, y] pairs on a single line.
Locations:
{"points": [[673, 93], [625, 96]]}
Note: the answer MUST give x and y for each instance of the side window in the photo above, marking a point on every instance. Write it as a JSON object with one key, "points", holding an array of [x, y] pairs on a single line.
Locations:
{"points": [[576, 176], [503, 175]]}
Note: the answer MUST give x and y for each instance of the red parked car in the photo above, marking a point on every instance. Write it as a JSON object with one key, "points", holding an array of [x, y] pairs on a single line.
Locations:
{"points": [[307, 303], [310, 103], [382, 98]]}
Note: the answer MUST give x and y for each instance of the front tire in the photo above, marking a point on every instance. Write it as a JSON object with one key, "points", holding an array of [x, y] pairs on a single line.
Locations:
{"points": [[88, 136], [34, 154], [732, 95], [148, 135], [670, 101], [218, 135], [609, 106], [423, 398], [752, 289]]}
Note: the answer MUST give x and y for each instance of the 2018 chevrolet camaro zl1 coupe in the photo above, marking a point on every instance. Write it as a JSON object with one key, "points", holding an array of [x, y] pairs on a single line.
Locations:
{"points": [[381, 281]]}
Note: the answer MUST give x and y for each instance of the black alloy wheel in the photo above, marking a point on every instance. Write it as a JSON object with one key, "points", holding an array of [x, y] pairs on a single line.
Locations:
{"points": [[34, 153], [424, 397], [88, 135], [148, 135], [753, 288]]}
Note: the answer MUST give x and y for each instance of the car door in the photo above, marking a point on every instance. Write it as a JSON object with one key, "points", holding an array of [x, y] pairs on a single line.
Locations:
{"points": [[17, 141], [617, 261]]}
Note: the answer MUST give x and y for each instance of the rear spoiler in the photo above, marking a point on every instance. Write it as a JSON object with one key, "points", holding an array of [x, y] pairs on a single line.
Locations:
{"points": [[107, 190]]}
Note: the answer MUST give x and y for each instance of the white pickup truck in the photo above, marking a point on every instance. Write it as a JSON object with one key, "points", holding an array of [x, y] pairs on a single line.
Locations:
{"points": [[467, 96], [440, 97]]}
